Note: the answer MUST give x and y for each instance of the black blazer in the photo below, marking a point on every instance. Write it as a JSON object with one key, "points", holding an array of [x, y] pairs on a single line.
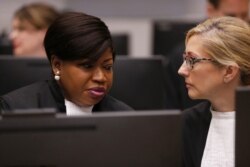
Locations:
{"points": [[196, 122], [47, 94]]}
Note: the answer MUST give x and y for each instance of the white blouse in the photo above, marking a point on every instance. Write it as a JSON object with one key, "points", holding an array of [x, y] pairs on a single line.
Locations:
{"points": [[220, 145], [74, 110]]}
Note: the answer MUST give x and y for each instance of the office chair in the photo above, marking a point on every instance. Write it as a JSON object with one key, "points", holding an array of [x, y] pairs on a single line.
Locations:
{"points": [[18, 72], [121, 44], [139, 82]]}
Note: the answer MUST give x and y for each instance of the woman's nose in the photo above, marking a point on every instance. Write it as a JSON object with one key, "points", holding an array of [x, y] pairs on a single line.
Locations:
{"points": [[12, 34], [99, 75], [183, 70]]}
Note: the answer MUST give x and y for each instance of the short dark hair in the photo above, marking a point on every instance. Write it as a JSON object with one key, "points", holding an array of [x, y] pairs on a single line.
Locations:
{"points": [[215, 3], [76, 35]]}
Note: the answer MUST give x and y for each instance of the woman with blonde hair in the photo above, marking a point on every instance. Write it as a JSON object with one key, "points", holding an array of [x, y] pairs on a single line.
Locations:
{"points": [[216, 62], [29, 26]]}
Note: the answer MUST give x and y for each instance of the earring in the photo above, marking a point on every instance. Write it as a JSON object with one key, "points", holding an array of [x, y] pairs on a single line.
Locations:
{"points": [[225, 80], [57, 76]]}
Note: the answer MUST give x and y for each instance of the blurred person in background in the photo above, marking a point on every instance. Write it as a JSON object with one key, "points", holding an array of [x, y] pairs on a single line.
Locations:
{"points": [[177, 96], [234, 8], [29, 25]]}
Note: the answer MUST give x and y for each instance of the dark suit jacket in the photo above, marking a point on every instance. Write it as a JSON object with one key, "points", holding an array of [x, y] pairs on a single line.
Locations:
{"points": [[196, 122], [47, 94]]}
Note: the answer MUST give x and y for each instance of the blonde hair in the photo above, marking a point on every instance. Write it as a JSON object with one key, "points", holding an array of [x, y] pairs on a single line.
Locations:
{"points": [[227, 41], [38, 15]]}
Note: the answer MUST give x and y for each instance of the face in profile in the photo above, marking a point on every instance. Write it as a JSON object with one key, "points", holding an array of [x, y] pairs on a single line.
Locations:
{"points": [[235, 8], [84, 82], [26, 40], [203, 78]]}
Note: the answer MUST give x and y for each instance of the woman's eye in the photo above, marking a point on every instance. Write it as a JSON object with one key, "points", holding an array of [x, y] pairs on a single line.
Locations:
{"points": [[193, 60], [87, 65], [109, 68], [190, 61]]}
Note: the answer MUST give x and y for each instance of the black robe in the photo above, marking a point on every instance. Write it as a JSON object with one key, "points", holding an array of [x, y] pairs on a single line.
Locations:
{"points": [[196, 122]]}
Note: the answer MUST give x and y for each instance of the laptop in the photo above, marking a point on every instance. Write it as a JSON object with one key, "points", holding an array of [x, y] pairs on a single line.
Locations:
{"points": [[242, 150], [112, 139]]}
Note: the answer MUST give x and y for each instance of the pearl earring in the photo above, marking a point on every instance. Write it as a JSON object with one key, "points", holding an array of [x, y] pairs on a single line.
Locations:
{"points": [[57, 76], [225, 80]]}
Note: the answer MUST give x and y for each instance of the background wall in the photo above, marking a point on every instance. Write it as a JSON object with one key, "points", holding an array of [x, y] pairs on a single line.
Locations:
{"points": [[168, 9], [133, 17]]}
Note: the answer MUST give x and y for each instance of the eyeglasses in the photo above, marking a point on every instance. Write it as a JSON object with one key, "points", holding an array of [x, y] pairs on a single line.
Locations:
{"points": [[191, 59]]}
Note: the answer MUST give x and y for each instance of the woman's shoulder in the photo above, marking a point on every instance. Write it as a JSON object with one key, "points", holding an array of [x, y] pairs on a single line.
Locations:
{"points": [[25, 96], [33, 88], [197, 113]]}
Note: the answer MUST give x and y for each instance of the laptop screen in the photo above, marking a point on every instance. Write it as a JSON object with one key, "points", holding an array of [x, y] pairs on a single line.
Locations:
{"points": [[242, 145], [141, 139]]}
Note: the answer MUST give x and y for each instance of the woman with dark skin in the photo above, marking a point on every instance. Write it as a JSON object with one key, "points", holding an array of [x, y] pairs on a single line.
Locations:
{"points": [[80, 50]]}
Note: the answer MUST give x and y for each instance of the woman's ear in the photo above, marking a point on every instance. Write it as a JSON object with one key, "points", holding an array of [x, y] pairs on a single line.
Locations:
{"points": [[56, 64], [232, 72]]}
